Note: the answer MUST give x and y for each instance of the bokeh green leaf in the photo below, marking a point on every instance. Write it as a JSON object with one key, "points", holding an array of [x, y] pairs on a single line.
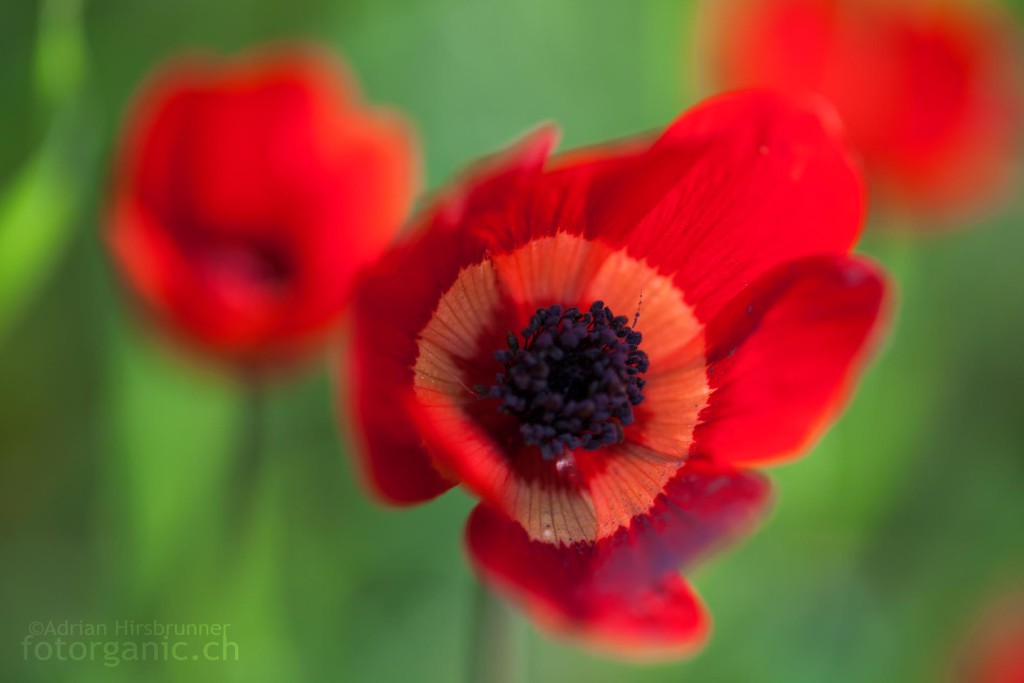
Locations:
{"points": [[38, 208]]}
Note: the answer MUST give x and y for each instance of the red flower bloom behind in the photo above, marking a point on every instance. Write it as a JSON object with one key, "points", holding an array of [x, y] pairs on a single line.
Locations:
{"points": [[994, 652], [930, 91], [600, 349], [248, 194]]}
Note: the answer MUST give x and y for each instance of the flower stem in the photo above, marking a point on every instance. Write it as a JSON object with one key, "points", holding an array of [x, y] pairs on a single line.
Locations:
{"points": [[253, 413], [250, 458], [498, 643]]}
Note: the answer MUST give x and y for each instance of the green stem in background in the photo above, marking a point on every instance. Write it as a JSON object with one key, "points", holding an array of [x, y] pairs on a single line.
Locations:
{"points": [[497, 642], [250, 459], [61, 56], [251, 444]]}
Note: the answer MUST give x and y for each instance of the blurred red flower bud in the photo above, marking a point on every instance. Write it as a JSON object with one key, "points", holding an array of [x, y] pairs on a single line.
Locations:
{"points": [[929, 91], [994, 650], [249, 193]]}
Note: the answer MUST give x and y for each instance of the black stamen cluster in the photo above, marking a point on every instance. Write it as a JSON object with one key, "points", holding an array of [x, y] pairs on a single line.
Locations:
{"points": [[574, 381]]}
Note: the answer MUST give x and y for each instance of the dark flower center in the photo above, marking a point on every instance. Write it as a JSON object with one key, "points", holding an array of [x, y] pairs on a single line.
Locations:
{"points": [[249, 262], [574, 380], [259, 265]]}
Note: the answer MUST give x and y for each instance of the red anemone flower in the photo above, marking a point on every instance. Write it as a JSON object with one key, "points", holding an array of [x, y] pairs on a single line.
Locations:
{"points": [[928, 90], [247, 195], [600, 346]]}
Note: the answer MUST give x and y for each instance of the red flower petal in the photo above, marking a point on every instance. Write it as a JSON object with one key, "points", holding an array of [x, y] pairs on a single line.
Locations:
{"points": [[733, 188], [781, 357], [623, 594], [583, 496]]}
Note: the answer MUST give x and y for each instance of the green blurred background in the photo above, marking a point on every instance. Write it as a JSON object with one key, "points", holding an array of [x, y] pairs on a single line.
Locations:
{"points": [[116, 457]]}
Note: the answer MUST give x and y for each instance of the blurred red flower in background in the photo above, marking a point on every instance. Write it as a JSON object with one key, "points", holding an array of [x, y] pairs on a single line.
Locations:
{"points": [[929, 91], [994, 650], [688, 309], [248, 194]]}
